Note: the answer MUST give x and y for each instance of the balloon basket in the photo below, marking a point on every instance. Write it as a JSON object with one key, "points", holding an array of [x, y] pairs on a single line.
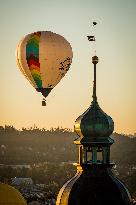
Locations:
{"points": [[43, 102]]}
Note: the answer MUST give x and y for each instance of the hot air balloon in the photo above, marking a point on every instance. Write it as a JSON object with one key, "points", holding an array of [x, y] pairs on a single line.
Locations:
{"points": [[44, 58]]}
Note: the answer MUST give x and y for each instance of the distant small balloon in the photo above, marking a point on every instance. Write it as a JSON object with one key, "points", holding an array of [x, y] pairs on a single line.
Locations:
{"points": [[44, 58], [94, 23]]}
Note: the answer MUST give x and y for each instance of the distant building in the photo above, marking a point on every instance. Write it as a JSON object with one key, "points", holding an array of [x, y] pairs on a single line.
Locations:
{"points": [[21, 181], [34, 203], [15, 166]]}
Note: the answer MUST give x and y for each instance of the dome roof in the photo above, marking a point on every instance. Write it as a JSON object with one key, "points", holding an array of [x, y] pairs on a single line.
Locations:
{"points": [[9, 195], [94, 185], [94, 123]]}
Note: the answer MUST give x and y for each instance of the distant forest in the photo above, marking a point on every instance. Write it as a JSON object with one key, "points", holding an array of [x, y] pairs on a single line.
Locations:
{"points": [[55, 146], [34, 145]]}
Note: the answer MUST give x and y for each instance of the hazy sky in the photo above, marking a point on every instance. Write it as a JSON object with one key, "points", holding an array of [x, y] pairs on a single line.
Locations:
{"points": [[116, 71]]}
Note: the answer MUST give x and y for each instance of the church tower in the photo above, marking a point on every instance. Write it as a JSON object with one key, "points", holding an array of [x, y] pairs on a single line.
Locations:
{"points": [[94, 182]]}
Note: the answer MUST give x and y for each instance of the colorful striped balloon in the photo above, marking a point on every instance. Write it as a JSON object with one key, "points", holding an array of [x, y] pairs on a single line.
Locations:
{"points": [[44, 58], [32, 56]]}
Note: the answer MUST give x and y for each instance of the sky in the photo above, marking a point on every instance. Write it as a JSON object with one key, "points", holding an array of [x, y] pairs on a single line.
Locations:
{"points": [[116, 71]]}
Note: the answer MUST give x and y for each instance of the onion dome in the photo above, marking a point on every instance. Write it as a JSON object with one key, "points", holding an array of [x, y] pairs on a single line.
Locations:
{"points": [[94, 124], [9, 195]]}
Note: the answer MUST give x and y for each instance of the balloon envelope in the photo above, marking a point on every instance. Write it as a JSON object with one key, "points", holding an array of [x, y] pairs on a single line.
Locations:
{"points": [[44, 58]]}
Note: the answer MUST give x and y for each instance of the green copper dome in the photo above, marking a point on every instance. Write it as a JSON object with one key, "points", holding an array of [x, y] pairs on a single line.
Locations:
{"points": [[94, 123]]}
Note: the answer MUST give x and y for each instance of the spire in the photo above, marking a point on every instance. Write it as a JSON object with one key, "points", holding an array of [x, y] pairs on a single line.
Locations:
{"points": [[94, 61], [94, 125]]}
